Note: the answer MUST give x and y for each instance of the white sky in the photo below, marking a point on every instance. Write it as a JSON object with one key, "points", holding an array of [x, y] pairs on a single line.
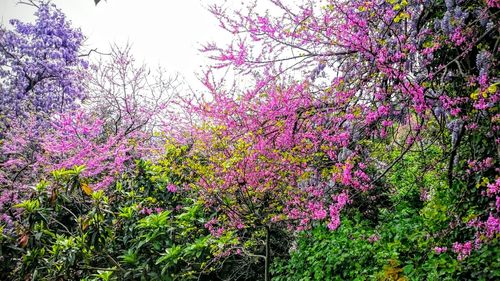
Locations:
{"points": [[162, 32]]}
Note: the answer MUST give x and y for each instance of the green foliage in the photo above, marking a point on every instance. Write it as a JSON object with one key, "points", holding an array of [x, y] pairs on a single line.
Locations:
{"points": [[325, 255], [137, 230], [404, 251], [398, 244]]}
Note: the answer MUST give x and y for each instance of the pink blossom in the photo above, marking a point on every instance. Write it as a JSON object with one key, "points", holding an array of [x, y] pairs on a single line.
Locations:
{"points": [[373, 238], [462, 249], [172, 187], [492, 226], [439, 250], [493, 3]]}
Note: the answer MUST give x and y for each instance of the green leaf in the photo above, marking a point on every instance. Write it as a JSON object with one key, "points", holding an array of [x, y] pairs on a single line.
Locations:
{"points": [[408, 269], [170, 255]]}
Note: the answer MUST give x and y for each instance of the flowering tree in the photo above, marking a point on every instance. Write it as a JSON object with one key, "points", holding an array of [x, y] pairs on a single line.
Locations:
{"points": [[129, 97], [334, 79], [328, 100], [116, 124], [41, 69], [56, 115], [41, 73]]}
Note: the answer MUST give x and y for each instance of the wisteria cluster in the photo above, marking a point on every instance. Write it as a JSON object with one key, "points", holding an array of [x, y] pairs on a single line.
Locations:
{"points": [[41, 66]]}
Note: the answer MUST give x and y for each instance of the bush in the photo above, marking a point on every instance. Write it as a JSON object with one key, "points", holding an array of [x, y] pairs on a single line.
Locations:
{"points": [[136, 230]]}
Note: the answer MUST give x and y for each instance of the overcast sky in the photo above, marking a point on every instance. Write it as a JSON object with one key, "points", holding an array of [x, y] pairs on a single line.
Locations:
{"points": [[162, 32]]}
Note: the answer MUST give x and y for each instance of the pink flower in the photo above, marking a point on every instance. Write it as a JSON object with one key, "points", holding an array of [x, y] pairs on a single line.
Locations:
{"points": [[424, 195], [458, 37], [319, 214], [146, 211], [172, 187], [493, 3], [373, 238], [494, 188], [462, 249], [334, 224], [439, 250], [492, 226]]}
